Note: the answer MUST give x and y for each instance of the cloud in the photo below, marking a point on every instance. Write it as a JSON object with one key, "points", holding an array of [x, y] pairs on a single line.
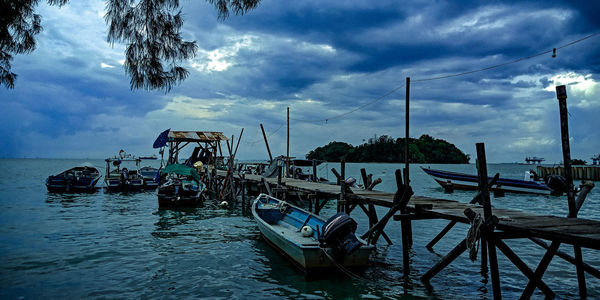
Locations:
{"points": [[340, 66]]}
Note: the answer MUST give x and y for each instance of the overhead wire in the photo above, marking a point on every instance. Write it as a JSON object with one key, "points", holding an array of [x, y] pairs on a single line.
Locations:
{"points": [[269, 135], [326, 120]]}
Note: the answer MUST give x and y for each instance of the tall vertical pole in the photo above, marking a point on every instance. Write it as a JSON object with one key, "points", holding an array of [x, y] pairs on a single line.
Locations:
{"points": [[266, 142], [487, 214], [406, 159], [561, 94], [287, 165]]}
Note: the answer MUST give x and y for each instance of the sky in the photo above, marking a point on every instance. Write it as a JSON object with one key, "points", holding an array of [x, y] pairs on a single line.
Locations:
{"points": [[340, 67]]}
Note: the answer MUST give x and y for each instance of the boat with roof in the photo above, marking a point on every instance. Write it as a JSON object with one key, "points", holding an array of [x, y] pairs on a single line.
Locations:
{"points": [[180, 184]]}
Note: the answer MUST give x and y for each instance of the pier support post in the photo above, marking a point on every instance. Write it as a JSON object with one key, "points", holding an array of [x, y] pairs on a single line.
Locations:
{"points": [[561, 94], [487, 214]]}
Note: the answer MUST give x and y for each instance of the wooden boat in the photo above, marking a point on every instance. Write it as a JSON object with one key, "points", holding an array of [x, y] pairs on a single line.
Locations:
{"points": [[78, 179], [122, 177], [179, 186], [470, 182], [308, 241]]}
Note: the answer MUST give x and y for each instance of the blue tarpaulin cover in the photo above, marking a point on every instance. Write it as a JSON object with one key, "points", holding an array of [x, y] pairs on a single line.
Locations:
{"points": [[161, 140]]}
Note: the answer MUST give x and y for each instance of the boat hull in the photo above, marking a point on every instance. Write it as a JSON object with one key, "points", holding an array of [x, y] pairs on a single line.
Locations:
{"points": [[471, 182]]}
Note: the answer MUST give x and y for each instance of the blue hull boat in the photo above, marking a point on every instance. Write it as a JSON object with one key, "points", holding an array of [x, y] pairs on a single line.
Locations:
{"points": [[308, 241], [470, 182], [80, 179]]}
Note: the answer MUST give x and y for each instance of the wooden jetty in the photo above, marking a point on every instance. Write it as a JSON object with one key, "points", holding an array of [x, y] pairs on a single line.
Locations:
{"points": [[490, 227], [504, 223]]}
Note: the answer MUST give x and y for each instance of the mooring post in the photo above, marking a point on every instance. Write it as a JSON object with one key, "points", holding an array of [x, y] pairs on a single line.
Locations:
{"points": [[561, 95], [365, 178], [337, 175], [314, 168], [243, 186], [342, 200], [343, 169], [406, 223], [487, 214], [406, 157], [287, 165]]}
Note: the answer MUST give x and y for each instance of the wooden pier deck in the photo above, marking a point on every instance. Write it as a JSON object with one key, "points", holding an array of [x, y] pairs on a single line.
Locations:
{"points": [[583, 232]]}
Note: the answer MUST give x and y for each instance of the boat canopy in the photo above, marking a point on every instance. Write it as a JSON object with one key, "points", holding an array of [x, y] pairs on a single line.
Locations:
{"points": [[181, 170], [196, 136]]}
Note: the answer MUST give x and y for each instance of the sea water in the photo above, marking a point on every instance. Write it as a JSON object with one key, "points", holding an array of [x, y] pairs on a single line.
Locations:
{"points": [[120, 245]]}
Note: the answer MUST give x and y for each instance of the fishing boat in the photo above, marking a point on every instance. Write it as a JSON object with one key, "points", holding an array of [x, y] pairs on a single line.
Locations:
{"points": [[125, 173], [153, 156], [453, 180], [149, 176], [308, 241], [180, 186], [82, 178]]}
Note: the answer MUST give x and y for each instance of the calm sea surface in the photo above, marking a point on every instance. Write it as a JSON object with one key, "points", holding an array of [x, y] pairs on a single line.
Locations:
{"points": [[122, 246]]}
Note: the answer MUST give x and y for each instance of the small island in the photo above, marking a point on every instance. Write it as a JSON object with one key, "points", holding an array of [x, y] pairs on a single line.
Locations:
{"points": [[425, 149]]}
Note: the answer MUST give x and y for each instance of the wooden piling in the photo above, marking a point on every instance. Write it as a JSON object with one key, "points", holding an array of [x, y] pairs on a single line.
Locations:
{"points": [[487, 213]]}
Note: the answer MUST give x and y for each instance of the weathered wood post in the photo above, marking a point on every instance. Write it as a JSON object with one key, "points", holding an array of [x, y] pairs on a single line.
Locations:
{"points": [[287, 165], [561, 95], [314, 167], [266, 142], [487, 215], [406, 157]]}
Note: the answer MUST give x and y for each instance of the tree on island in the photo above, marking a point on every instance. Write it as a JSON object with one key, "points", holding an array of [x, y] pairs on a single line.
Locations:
{"points": [[149, 28], [425, 149]]}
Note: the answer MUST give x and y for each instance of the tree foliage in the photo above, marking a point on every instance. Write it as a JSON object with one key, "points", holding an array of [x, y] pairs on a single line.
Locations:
{"points": [[426, 149], [149, 28]]}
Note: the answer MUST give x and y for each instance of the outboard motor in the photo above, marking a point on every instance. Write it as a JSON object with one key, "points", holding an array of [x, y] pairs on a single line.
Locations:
{"points": [[338, 233], [557, 184]]}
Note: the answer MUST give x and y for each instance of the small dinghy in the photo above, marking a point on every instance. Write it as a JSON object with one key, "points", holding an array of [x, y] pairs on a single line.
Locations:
{"points": [[80, 179], [309, 241]]}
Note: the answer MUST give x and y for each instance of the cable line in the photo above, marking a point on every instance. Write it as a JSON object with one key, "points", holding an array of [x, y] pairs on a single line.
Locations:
{"points": [[446, 76]]}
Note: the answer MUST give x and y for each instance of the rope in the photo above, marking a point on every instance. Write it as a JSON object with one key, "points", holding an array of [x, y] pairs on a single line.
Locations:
{"points": [[473, 237], [342, 268]]}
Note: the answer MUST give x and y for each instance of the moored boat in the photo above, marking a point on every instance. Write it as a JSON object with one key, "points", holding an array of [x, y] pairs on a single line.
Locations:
{"points": [[180, 186], [149, 176], [125, 175], [80, 179], [463, 181], [308, 241]]}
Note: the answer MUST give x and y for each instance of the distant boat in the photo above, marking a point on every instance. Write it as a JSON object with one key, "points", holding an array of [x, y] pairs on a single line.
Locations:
{"points": [[123, 176], [470, 182], [153, 156], [78, 179], [310, 242]]}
